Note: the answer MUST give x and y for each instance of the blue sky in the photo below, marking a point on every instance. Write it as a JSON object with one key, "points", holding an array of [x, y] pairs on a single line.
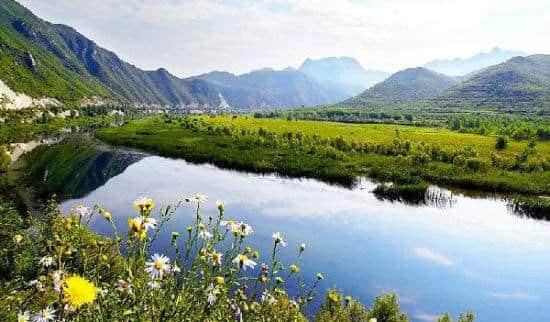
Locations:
{"points": [[194, 36]]}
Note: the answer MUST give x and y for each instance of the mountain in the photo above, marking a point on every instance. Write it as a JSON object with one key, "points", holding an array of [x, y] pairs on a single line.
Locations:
{"points": [[41, 59], [406, 86], [460, 67], [521, 83], [342, 72], [268, 88]]}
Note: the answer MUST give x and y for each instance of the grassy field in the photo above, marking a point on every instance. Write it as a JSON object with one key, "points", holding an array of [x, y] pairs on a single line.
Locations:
{"points": [[263, 145], [378, 133]]}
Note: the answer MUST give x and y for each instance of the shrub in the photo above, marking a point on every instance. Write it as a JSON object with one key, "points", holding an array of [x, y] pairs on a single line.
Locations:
{"points": [[502, 142], [475, 164]]}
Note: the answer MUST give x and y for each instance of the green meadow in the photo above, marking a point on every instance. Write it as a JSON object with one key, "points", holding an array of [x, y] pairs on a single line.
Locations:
{"points": [[339, 152]]}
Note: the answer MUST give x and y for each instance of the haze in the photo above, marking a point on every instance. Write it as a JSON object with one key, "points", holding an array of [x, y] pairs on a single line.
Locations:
{"points": [[197, 36]]}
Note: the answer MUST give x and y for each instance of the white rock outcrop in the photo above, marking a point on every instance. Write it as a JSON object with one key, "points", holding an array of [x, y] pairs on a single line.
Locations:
{"points": [[12, 100]]}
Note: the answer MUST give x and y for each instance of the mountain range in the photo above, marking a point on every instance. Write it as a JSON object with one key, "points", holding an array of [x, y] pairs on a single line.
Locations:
{"points": [[520, 84], [41, 59], [43, 63]]}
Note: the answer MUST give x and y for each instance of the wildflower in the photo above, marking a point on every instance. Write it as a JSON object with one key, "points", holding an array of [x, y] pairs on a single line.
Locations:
{"points": [[213, 293], [44, 315], [144, 204], [23, 316], [219, 205], [267, 297], [279, 280], [216, 258], [220, 280], [17, 238], [320, 277], [153, 285], [136, 228], [124, 287], [199, 198], [57, 278], [36, 283], [348, 299], [256, 254], [149, 223], [294, 268], [46, 261], [373, 320], [81, 211], [279, 239], [158, 266], [243, 262], [294, 304], [189, 229], [176, 269], [229, 225], [302, 247], [107, 215], [265, 267], [103, 292], [245, 229], [80, 291], [204, 234]]}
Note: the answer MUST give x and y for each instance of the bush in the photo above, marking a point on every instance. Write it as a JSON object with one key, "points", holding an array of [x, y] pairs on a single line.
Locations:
{"points": [[502, 142]]}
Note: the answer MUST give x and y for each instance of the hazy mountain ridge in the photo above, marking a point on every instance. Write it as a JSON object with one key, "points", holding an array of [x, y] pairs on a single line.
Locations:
{"points": [[521, 83], [461, 67], [273, 88], [404, 87], [345, 72]]}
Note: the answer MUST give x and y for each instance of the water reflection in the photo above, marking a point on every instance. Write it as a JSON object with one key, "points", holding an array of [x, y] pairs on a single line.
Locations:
{"points": [[467, 254]]}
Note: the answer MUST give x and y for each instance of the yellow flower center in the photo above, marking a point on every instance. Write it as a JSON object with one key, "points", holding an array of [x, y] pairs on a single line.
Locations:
{"points": [[158, 265]]}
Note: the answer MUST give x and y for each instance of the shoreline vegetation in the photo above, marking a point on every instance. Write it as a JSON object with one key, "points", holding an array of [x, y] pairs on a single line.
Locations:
{"points": [[62, 270], [340, 153]]}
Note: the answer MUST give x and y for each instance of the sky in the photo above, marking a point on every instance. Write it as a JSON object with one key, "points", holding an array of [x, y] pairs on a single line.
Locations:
{"points": [[190, 37]]}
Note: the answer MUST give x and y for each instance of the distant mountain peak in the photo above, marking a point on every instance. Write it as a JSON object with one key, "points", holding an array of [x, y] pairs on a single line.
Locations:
{"points": [[462, 66], [343, 70]]}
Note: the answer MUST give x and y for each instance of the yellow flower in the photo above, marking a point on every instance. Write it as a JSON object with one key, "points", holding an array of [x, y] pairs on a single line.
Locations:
{"points": [[136, 228], [79, 291], [144, 205], [294, 268], [17, 238]]}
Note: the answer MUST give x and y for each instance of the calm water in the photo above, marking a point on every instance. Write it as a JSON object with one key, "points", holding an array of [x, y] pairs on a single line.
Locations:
{"points": [[472, 254]]}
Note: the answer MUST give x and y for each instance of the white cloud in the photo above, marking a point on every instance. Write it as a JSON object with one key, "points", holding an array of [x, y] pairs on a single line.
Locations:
{"points": [[195, 36], [433, 256], [519, 296]]}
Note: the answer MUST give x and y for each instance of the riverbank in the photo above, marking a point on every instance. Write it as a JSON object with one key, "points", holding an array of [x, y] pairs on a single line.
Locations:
{"points": [[340, 153]]}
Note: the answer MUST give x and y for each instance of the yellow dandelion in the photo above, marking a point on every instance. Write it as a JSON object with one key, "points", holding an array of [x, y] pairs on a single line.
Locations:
{"points": [[79, 291], [136, 228]]}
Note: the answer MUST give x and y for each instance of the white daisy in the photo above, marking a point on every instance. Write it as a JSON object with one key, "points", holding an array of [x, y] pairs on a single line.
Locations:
{"points": [[204, 234], [81, 211], [124, 287], [279, 239], [216, 258], [245, 229], [149, 223], [213, 293], [46, 261], [158, 266], [23, 316], [44, 315], [200, 198], [230, 225], [243, 262]]}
